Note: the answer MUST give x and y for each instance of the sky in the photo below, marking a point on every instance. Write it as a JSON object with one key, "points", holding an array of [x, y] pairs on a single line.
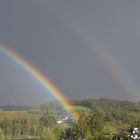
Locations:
{"points": [[76, 43]]}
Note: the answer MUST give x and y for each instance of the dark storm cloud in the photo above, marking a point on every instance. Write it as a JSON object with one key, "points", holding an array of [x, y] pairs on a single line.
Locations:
{"points": [[41, 32]]}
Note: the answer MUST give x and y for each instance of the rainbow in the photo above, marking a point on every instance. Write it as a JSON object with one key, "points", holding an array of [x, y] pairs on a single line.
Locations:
{"points": [[105, 59], [39, 77]]}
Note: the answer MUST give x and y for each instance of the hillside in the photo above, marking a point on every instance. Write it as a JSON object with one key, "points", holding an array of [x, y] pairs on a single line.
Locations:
{"points": [[107, 104], [100, 119]]}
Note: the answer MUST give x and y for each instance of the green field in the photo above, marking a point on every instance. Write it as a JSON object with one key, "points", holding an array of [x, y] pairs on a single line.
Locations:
{"points": [[98, 120]]}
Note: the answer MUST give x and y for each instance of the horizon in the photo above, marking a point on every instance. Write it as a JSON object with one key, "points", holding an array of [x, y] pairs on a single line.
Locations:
{"points": [[71, 102]]}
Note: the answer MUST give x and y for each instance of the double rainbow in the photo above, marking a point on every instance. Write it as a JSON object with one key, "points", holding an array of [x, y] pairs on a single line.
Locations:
{"points": [[104, 58]]}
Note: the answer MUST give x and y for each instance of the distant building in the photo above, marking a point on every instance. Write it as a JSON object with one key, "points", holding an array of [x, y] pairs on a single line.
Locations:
{"points": [[63, 119], [59, 121]]}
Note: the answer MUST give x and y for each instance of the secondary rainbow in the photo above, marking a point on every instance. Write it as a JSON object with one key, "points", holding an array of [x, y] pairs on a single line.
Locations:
{"points": [[105, 59], [39, 77]]}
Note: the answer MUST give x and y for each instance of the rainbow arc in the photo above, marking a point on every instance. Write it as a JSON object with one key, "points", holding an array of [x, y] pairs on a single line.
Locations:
{"points": [[40, 78]]}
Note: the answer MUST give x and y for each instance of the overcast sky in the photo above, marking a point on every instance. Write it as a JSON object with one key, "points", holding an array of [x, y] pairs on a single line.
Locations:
{"points": [[54, 36]]}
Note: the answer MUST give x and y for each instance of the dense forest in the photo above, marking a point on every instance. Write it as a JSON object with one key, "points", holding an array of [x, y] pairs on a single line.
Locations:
{"points": [[100, 119]]}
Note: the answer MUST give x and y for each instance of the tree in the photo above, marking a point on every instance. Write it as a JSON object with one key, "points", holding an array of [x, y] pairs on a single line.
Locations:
{"points": [[2, 135], [91, 123], [74, 132], [47, 121]]}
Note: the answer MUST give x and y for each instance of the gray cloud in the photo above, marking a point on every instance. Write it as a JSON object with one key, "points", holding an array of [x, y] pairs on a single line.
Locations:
{"points": [[42, 31]]}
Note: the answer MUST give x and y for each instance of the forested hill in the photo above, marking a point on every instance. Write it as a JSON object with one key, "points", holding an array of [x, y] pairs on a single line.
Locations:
{"points": [[94, 104], [107, 104], [15, 108], [99, 119]]}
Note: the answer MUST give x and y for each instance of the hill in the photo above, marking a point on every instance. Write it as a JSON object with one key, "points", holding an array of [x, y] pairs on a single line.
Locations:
{"points": [[107, 104]]}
